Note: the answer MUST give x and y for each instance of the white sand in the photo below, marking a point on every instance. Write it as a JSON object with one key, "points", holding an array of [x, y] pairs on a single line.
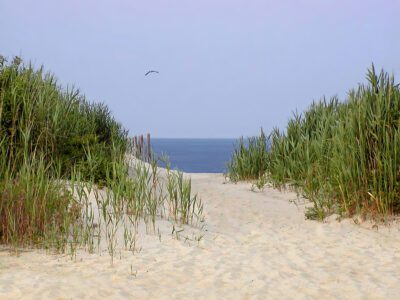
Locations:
{"points": [[257, 246]]}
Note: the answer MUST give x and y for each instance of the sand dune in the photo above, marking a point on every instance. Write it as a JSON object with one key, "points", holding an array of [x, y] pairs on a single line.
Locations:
{"points": [[254, 246]]}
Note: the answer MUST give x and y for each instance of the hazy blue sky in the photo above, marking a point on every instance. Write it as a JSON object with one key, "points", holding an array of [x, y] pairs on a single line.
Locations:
{"points": [[226, 67]]}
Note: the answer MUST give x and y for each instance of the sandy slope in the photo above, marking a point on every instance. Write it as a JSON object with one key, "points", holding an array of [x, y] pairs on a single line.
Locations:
{"points": [[257, 246]]}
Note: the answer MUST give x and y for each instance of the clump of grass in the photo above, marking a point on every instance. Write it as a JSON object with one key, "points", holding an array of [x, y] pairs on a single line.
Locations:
{"points": [[260, 183], [343, 156], [34, 209], [47, 135], [249, 160], [57, 151], [183, 206]]}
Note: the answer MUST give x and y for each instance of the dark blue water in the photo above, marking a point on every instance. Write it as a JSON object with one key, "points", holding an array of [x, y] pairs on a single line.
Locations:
{"points": [[195, 155]]}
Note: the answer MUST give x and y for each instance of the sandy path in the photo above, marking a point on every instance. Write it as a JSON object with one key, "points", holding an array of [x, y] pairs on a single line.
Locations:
{"points": [[257, 246]]}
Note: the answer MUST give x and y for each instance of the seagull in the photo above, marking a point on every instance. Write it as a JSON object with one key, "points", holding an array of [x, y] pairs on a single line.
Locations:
{"points": [[151, 71]]}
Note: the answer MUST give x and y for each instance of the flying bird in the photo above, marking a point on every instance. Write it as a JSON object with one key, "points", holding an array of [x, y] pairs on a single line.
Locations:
{"points": [[151, 71]]}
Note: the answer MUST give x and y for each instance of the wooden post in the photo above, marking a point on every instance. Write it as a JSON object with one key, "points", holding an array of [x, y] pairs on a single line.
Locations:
{"points": [[141, 148], [148, 148], [141, 145], [135, 146]]}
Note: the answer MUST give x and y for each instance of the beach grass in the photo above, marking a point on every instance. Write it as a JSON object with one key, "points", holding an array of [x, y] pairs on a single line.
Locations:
{"points": [[342, 156], [250, 159], [65, 180]]}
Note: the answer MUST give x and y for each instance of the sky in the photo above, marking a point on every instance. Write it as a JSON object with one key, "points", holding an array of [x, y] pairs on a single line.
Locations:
{"points": [[226, 67]]}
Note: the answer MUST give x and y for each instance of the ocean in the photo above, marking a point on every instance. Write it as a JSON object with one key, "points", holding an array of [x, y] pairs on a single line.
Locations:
{"points": [[195, 155]]}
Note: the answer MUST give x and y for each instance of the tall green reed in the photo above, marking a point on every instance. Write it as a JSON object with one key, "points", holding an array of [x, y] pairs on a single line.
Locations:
{"points": [[249, 160], [343, 156]]}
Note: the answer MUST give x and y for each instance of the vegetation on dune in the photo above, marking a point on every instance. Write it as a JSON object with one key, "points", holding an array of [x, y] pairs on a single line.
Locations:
{"points": [[343, 156], [55, 146], [38, 118]]}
